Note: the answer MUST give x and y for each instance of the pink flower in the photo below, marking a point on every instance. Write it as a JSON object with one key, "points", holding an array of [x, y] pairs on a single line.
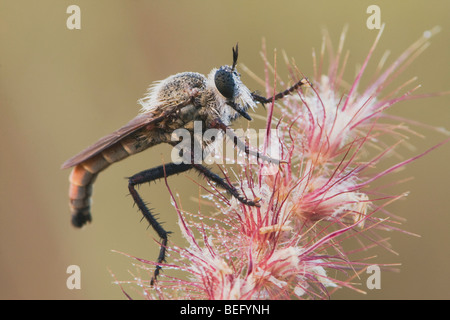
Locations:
{"points": [[317, 197]]}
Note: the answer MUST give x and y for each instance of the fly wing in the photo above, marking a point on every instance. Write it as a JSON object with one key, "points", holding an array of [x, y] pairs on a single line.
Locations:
{"points": [[139, 122], [134, 125]]}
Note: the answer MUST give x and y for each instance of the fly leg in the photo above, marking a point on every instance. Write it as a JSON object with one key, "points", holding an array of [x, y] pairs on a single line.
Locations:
{"points": [[148, 176], [280, 95], [243, 146], [222, 183], [166, 171]]}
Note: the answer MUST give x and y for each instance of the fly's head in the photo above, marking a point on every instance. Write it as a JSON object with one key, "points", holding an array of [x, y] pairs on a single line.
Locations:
{"points": [[227, 79], [228, 83]]}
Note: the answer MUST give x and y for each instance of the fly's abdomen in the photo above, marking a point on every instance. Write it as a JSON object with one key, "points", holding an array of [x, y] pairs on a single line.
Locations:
{"points": [[84, 174], [80, 191]]}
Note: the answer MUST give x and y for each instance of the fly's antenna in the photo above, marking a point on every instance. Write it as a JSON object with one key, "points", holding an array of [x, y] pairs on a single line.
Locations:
{"points": [[235, 57]]}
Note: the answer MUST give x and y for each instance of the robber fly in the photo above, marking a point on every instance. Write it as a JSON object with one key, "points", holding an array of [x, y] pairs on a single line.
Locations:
{"points": [[176, 102]]}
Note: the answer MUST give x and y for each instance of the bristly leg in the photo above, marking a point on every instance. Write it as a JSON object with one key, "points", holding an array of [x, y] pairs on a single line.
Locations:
{"points": [[168, 170], [148, 176], [222, 183], [242, 145], [280, 95]]}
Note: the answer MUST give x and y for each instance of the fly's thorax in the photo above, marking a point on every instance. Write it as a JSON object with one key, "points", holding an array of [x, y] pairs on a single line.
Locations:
{"points": [[173, 90], [186, 114], [212, 96]]}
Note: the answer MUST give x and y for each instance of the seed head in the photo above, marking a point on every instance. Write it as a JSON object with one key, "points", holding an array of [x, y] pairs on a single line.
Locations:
{"points": [[292, 245]]}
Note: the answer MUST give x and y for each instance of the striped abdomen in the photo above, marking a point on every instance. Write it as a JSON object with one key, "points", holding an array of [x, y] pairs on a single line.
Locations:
{"points": [[133, 138]]}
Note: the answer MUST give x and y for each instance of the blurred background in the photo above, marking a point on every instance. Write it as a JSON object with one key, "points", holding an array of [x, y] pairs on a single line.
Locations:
{"points": [[61, 90]]}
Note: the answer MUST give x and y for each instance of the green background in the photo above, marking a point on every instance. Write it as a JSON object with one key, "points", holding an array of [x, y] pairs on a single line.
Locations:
{"points": [[61, 90]]}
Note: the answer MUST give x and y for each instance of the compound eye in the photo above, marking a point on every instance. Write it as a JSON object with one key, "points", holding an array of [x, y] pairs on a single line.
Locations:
{"points": [[225, 83]]}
